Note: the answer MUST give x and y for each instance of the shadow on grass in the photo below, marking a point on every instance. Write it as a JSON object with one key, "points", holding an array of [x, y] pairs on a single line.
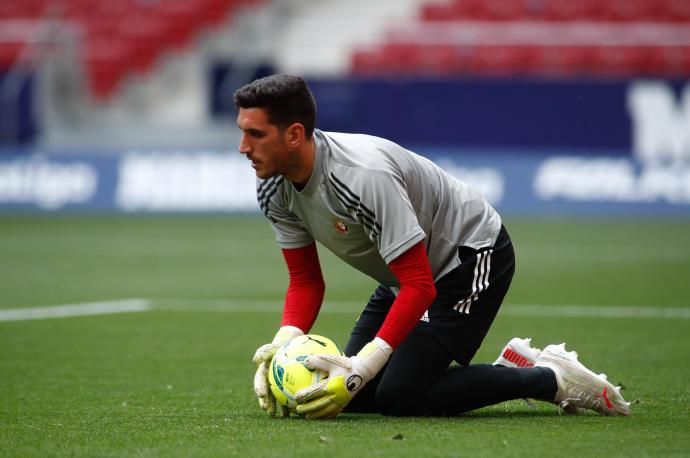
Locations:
{"points": [[468, 416]]}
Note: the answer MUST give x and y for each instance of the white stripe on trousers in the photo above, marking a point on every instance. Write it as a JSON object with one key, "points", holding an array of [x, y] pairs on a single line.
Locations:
{"points": [[480, 282]]}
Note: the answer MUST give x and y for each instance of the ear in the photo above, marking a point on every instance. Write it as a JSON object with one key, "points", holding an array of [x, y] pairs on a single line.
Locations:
{"points": [[294, 135]]}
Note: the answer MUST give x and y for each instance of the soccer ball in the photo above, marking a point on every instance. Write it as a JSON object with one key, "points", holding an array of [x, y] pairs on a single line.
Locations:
{"points": [[287, 373]]}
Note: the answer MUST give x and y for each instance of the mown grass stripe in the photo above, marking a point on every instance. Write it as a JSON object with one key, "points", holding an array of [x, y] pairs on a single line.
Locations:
{"points": [[72, 310]]}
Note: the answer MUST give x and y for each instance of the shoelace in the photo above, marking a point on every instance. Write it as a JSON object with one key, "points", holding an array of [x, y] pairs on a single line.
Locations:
{"points": [[585, 400]]}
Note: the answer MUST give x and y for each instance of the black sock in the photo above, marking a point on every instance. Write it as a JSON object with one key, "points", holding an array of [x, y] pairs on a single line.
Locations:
{"points": [[538, 383], [471, 387]]}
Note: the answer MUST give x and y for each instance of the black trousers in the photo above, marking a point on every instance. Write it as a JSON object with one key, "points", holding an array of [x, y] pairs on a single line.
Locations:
{"points": [[419, 378]]}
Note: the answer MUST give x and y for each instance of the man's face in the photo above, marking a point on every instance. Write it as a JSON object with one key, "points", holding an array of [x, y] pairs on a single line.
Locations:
{"points": [[263, 143]]}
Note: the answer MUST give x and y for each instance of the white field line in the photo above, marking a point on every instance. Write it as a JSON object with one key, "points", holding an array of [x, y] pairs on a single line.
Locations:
{"points": [[71, 310], [220, 305], [576, 311]]}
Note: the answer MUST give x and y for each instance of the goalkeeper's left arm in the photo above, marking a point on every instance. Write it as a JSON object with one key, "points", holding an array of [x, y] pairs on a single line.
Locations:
{"points": [[347, 376]]}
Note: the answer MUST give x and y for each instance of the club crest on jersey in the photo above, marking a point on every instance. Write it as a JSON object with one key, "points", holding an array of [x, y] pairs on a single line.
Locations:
{"points": [[340, 226]]}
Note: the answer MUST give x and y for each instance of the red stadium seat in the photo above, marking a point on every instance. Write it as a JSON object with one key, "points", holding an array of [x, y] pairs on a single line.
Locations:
{"points": [[487, 10], [572, 10], [444, 59], [675, 10], [81, 9], [376, 62], [564, 60], [504, 10], [554, 60], [436, 12], [408, 59], [9, 53], [365, 62], [128, 35], [27, 9], [672, 60], [106, 63], [181, 19], [619, 60], [401, 57], [139, 32], [600, 37], [503, 60], [456, 10], [631, 10]]}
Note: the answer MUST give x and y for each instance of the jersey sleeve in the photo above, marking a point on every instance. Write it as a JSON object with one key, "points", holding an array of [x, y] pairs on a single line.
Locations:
{"points": [[379, 201], [288, 230]]}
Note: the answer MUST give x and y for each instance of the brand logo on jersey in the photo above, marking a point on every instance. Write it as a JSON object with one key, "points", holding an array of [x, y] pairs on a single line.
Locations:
{"points": [[340, 227]]}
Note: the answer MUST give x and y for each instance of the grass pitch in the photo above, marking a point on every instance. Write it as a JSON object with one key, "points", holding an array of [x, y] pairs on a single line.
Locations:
{"points": [[176, 380]]}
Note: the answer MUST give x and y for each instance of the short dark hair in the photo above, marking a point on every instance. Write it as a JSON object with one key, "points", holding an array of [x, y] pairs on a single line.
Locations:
{"points": [[286, 99]]}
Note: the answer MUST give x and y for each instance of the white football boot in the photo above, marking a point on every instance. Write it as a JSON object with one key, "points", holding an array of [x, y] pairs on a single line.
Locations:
{"points": [[518, 353], [580, 388]]}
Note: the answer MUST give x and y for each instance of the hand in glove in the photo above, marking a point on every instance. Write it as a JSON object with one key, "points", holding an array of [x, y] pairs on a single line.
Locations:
{"points": [[262, 358], [346, 376]]}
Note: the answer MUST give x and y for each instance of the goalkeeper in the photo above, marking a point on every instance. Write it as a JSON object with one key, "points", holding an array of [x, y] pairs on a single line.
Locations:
{"points": [[438, 250]]}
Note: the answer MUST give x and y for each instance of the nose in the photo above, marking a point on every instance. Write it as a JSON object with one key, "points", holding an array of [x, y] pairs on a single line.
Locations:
{"points": [[244, 145]]}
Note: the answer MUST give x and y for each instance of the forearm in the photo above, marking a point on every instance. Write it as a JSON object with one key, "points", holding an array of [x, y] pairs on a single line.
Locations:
{"points": [[302, 305], [404, 314], [306, 288], [417, 292]]}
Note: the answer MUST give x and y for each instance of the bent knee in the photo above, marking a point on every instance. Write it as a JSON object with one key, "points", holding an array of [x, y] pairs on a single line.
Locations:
{"points": [[398, 401]]}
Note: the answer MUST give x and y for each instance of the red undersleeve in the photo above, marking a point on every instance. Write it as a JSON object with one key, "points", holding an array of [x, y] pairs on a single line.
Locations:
{"points": [[417, 291], [306, 288]]}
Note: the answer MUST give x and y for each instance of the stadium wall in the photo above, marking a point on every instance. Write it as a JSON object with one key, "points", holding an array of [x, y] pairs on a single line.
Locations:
{"points": [[18, 120], [532, 147]]}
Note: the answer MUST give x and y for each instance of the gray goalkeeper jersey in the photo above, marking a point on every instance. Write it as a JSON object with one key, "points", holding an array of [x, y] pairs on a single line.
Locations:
{"points": [[369, 200]]}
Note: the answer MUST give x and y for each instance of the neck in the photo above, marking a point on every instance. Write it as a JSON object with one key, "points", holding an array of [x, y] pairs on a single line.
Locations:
{"points": [[304, 164]]}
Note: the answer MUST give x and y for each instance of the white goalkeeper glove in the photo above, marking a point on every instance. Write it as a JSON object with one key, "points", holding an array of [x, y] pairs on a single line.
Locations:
{"points": [[263, 356], [346, 376]]}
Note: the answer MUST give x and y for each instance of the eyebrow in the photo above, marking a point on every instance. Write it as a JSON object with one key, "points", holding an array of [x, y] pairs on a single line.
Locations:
{"points": [[254, 132], [252, 129]]}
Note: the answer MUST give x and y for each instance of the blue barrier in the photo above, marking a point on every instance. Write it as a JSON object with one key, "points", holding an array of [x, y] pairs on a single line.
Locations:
{"points": [[18, 121], [474, 113], [575, 147], [592, 116], [222, 182]]}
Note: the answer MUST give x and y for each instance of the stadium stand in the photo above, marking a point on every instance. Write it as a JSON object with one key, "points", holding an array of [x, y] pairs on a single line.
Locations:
{"points": [[118, 38], [597, 38], [142, 71], [559, 10]]}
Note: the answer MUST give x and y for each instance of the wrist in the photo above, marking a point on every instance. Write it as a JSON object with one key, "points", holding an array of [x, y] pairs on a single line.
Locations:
{"points": [[373, 356], [384, 345], [286, 333]]}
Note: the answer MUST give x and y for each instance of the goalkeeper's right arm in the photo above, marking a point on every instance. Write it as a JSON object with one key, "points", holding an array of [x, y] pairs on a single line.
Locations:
{"points": [[306, 289], [302, 304]]}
